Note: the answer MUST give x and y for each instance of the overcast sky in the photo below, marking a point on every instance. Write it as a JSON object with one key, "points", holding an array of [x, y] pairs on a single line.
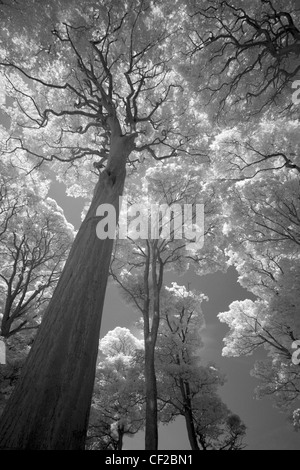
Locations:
{"points": [[267, 428]]}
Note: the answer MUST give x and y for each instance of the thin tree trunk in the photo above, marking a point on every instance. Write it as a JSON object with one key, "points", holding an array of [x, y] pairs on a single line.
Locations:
{"points": [[49, 408], [188, 415], [202, 442], [151, 432], [190, 430], [151, 429], [120, 438], [6, 319]]}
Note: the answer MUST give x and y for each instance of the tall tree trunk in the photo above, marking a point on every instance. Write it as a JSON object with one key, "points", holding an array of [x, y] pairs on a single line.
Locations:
{"points": [[151, 432], [150, 335], [49, 408], [188, 415]]}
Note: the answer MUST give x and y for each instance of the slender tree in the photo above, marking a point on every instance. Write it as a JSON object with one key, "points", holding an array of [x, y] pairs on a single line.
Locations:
{"points": [[140, 262], [186, 387]]}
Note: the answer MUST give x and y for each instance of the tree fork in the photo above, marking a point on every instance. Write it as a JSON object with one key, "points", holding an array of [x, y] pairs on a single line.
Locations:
{"points": [[50, 406]]}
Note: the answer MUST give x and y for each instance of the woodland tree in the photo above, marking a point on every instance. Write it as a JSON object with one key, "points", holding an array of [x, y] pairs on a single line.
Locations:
{"points": [[34, 242], [140, 262], [251, 62], [186, 387], [261, 177], [263, 244], [118, 401], [271, 322], [250, 52]]}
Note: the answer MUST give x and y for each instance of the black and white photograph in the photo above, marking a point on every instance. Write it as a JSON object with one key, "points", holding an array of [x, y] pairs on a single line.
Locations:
{"points": [[149, 228]]}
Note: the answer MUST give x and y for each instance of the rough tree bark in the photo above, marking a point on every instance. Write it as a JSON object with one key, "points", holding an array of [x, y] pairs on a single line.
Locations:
{"points": [[50, 406]]}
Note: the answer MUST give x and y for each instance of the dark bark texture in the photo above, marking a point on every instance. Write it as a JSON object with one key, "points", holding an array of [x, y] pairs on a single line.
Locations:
{"points": [[50, 406]]}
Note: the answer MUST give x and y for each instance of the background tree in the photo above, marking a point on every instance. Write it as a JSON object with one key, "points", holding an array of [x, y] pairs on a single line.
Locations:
{"points": [[217, 427], [250, 54], [33, 251], [263, 234], [34, 242], [186, 387], [139, 263], [270, 322], [118, 400], [250, 51]]}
